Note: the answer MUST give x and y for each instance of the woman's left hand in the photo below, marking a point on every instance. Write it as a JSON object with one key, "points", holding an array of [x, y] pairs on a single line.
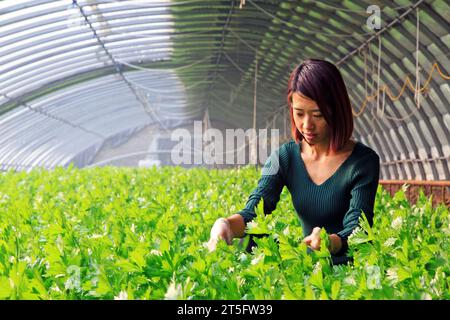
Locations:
{"points": [[313, 240]]}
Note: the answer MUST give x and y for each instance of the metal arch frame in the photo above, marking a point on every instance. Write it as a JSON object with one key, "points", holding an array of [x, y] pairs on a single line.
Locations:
{"points": [[36, 86], [87, 118], [102, 45], [69, 110], [424, 116], [317, 24], [357, 129], [212, 76], [385, 68], [78, 141], [61, 34], [61, 120], [108, 79], [116, 118], [72, 135], [318, 37], [224, 11], [36, 14], [262, 65], [10, 149], [87, 32], [301, 33], [382, 127], [62, 8], [119, 50], [31, 3]]}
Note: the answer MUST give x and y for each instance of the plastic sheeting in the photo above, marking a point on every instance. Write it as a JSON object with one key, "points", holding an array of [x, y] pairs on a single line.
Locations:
{"points": [[58, 60]]}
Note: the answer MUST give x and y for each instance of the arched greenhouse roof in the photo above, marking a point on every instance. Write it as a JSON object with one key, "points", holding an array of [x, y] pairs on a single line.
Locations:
{"points": [[75, 75]]}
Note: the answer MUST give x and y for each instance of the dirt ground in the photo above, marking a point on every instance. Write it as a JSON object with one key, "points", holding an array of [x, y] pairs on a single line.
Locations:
{"points": [[441, 194]]}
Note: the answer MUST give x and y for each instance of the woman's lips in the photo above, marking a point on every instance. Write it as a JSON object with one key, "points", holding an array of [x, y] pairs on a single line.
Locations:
{"points": [[309, 136]]}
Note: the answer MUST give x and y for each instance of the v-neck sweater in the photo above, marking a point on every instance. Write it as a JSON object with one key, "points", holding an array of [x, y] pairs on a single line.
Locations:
{"points": [[336, 204]]}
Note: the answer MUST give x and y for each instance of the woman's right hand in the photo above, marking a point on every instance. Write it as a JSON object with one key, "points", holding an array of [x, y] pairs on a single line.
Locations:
{"points": [[221, 230]]}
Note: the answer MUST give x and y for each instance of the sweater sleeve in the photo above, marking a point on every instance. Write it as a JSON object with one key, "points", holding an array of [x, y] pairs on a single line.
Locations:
{"points": [[365, 184], [269, 186]]}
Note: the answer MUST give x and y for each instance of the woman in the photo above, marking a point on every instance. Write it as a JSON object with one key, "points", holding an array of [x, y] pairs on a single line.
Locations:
{"points": [[331, 178]]}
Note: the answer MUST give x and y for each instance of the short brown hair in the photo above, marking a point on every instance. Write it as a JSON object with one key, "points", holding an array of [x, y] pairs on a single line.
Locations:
{"points": [[321, 81]]}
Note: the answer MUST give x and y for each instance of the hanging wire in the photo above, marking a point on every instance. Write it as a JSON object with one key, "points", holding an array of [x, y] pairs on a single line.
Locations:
{"points": [[417, 89], [373, 66], [323, 3], [183, 116], [409, 115], [255, 93], [242, 40], [400, 78], [51, 116], [131, 65], [233, 63], [232, 87], [417, 93], [387, 27], [152, 4], [150, 89], [383, 104], [129, 34], [407, 84], [166, 91], [378, 73], [366, 93], [313, 32], [392, 80], [152, 37], [280, 109]]}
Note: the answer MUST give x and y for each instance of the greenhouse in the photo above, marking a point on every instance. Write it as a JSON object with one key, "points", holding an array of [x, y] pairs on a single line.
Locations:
{"points": [[135, 132]]}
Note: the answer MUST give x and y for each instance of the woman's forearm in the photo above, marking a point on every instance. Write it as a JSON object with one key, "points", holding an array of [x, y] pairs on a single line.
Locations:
{"points": [[335, 243], [237, 225]]}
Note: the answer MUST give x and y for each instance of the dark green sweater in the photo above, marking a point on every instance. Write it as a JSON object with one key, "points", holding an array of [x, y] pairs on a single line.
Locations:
{"points": [[336, 204]]}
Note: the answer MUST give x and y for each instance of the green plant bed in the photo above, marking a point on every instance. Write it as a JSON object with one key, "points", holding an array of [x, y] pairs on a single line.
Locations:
{"points": [[116, 233]]}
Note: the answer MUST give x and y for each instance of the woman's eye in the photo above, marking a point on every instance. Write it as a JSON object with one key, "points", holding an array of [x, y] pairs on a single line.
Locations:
{"points": [[314, 115]]}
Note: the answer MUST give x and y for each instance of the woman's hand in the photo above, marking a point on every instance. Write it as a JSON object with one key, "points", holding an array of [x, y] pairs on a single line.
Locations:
{"points": [[313, 240], [221, 230]]}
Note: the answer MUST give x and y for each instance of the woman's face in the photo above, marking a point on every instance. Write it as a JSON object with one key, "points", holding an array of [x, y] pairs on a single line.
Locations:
{"points": [[309, 120]]}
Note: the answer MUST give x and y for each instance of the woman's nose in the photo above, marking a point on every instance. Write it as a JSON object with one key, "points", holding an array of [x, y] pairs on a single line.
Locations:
{"points": [[308, 123]]}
